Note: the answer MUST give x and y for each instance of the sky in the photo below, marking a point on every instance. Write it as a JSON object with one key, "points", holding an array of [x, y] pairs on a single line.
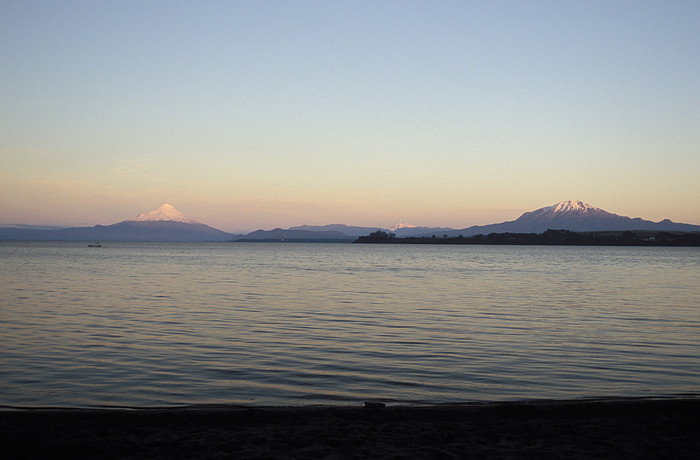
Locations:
{"points": [[264, 114]]}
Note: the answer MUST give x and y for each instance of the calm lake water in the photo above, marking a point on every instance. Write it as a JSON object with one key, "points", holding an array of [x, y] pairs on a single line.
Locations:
{"points": [[163, 324]]}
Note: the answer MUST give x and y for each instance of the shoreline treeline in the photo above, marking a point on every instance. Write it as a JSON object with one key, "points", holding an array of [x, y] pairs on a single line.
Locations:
{"points": [[549, 237]]}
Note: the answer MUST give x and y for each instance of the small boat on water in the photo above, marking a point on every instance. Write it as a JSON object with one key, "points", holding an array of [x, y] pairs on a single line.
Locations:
{"points": [[95, 245]]}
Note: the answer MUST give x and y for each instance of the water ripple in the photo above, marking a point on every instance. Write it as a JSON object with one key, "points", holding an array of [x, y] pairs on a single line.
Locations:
{"points": [[173, 324]]}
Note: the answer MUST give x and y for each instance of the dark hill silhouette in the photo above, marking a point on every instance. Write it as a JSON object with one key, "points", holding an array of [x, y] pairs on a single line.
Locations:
{"points": [[124, 231], [280, 234], [347, 230]]}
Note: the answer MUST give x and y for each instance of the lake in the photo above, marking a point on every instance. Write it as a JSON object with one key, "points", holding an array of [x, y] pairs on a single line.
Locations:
{"points": [[167, 324]]}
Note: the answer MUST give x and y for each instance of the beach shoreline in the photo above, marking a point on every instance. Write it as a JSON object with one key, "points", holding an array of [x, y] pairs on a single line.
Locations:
{"points": [[596, 428]]}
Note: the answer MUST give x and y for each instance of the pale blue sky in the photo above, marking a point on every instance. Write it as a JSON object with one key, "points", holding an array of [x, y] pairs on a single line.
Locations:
{"points": [[261, 114]]}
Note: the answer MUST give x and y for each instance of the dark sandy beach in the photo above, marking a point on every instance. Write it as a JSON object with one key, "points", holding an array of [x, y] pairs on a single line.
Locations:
{"points": [[635, 428]]}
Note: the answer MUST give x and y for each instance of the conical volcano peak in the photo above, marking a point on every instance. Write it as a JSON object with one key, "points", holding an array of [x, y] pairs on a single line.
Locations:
{"points": [[168, 213], [558, 215], [572, 206]]}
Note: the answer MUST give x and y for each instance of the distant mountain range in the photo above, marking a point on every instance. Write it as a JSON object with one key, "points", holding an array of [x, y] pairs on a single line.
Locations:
{"points": [[567, 215], [168, 224]]}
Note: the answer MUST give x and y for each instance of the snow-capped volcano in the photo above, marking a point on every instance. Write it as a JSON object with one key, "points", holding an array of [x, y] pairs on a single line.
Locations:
{"points": [[401, 225], [167, 213], [572, 215], [164, 224]]}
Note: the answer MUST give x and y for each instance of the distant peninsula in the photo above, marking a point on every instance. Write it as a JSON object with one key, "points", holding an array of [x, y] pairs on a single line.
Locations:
{"points": [[549, 237]]}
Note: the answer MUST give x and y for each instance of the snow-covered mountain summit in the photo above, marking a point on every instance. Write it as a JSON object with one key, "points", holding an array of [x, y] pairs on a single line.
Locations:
{"points": [[568, 209], [167, 213], [401, 225]]}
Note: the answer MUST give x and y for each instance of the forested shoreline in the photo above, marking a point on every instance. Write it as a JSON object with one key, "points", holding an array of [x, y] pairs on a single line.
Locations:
{"points": [[550, 237]]}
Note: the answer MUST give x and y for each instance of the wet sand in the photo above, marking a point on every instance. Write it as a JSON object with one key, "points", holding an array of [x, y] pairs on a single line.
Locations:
{"points": [[635, 428]]}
